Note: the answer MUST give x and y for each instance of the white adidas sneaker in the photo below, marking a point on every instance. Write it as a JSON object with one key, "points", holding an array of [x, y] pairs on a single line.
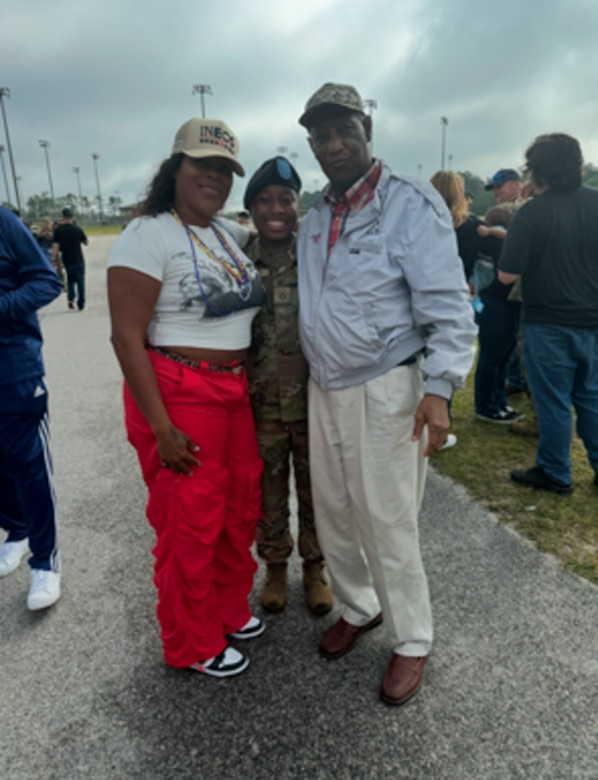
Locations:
{"points": [[11, 554], [44, 590]]}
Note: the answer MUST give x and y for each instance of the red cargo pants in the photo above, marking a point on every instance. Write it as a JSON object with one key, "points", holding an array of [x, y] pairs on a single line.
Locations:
{"points": [[205, 523]]}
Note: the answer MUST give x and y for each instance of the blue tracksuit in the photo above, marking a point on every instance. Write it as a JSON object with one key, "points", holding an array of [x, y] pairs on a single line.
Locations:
{"points": [[27, 501]]}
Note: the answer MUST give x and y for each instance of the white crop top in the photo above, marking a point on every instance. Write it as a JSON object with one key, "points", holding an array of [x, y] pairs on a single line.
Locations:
{"points": [[202, 309]]}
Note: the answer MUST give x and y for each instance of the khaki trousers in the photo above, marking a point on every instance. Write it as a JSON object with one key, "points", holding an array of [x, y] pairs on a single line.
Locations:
{"points": [[367, 483]]}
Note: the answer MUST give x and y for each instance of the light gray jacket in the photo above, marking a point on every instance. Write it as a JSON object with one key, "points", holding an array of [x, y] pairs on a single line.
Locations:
{"points": [[393, 285]]}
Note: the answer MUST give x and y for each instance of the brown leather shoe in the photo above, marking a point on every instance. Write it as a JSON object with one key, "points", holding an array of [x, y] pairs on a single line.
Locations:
{"points": [[403, 678], [340, 639]]}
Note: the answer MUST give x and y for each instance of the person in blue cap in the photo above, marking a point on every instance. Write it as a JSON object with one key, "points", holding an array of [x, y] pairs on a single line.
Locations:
{"points": [[507, 188], [505, 185], [278, 374]]}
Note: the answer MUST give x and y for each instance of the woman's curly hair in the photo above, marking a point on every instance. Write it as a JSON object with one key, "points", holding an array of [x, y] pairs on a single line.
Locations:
{"points": [[160, 192]]}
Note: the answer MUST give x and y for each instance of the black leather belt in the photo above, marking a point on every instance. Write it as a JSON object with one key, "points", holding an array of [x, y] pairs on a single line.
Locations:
{"points": [[410, 360]]}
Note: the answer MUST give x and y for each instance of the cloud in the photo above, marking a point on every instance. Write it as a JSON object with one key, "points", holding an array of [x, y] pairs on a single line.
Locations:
{"points": [[116, 79]]}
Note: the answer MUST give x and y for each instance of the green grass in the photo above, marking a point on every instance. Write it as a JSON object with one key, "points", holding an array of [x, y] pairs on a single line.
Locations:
{"points": [[102, 230], [566, 526]]}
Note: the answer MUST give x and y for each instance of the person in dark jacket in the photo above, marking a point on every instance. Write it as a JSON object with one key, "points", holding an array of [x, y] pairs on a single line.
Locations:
{"points": [[498, 321], [552, 245], [27, 501], [68, 239]]}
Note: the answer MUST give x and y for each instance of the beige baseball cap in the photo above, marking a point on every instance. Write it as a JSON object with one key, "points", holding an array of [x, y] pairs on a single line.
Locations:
{"points": [[201, 137]]}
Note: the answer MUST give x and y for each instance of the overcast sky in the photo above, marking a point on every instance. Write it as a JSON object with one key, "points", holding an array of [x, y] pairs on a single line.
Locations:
{"points": [[115, 78]]}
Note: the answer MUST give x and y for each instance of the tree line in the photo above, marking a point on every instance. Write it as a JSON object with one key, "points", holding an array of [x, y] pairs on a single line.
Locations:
{"points": [[88, 209], [474, 185]]}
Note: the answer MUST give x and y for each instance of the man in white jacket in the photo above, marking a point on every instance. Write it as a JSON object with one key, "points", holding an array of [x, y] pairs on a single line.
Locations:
{"points": [[388, 331]]}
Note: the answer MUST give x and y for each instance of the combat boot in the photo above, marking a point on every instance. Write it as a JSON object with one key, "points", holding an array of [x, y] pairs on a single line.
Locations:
{"points": [[317, 590], [274, 591]]}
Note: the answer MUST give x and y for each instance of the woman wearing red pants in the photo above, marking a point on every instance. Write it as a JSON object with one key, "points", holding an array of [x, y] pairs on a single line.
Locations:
{"points": [[182, 297]]}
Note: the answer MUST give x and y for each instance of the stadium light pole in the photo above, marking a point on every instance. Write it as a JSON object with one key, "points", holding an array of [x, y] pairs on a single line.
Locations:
{"points": [[5, 92], [450, 162], [95, 157], [76, 171], [2, 150], [419, 169], [202, 89], [371, 104], [20, 198], [45, 145], [444, 124]]}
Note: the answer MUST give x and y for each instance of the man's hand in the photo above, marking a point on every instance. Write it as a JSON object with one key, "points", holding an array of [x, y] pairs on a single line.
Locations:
{"points": [[433, 412]]}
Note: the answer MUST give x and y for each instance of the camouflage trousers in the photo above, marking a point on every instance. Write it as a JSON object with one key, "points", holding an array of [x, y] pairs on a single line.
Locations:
{"points": [[279, 442]]}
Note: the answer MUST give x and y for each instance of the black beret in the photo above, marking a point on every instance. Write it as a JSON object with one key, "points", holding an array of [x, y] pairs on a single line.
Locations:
{"points": [[278, 170]]}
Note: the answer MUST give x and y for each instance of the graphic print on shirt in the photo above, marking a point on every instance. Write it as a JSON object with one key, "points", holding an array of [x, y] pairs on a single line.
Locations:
{"points": [[219, 293]]}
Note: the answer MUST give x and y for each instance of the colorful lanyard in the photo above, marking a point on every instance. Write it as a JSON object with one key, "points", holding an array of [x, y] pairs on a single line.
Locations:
{"points": [[234, 267]]}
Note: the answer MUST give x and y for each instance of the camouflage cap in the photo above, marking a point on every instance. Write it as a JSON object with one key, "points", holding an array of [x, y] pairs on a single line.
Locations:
{"points": [[341, 95]]}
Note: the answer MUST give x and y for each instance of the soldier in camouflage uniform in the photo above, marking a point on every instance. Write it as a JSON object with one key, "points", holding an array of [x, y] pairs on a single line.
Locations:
{"points": [[278, 376]]}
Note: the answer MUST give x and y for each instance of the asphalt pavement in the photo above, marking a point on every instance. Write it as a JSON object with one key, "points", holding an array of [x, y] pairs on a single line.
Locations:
{"points": [[510, 690]]}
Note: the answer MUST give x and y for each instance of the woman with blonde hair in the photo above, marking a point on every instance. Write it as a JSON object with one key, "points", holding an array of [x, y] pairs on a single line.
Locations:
{"points": [[495, 316], [452, 188], [450, 185]]}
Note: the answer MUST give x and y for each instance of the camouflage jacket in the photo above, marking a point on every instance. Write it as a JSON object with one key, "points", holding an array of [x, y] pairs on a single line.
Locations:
{"points": [[277, 370]]}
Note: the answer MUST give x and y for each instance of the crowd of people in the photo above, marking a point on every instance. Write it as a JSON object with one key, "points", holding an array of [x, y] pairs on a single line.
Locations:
{"points": [[531, 267], [62, 243], [327, 349]]}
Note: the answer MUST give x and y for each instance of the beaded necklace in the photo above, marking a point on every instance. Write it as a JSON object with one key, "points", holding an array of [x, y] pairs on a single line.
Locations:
{"points": [[234, 267]]}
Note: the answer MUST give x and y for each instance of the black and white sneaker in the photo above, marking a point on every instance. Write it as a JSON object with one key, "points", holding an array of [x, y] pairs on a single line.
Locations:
{"points": [[254, 627], [504, 417], [509, 410], [229, 663]]}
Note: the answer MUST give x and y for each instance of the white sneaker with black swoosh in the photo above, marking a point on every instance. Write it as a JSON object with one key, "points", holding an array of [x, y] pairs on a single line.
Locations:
{"points": [[228, 663]]}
